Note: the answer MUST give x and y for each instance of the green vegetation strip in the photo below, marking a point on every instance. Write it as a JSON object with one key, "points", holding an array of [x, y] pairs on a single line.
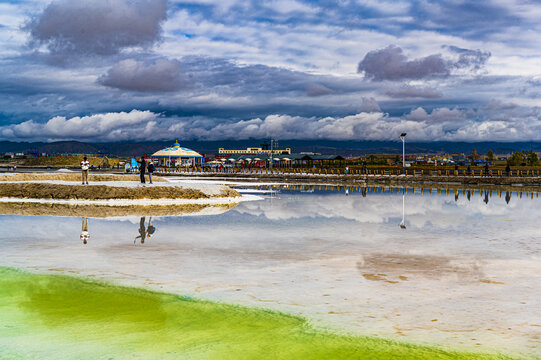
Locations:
{"points": [[55, 316]]}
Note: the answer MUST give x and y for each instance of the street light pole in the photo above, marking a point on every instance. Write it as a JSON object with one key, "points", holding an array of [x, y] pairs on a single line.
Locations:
{"points": [[403, 138], [270, 160]]}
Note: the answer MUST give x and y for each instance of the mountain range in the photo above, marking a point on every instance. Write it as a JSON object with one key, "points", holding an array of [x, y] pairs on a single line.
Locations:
{"points": [[344, 148]]}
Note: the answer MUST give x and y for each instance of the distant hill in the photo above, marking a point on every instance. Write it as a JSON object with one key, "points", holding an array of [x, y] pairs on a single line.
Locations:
{"points": [[344, 148]]}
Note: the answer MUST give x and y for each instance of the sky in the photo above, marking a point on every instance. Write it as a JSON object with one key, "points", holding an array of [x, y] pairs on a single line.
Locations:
{"points": [[136, 70]]}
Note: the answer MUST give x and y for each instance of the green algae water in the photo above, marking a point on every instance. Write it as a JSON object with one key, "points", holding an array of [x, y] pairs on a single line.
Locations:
{"points": [[54, 317]]}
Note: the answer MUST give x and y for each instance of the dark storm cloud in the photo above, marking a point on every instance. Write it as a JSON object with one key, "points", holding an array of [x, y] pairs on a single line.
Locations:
{"points": [[99, 27], [470, 19], [228, 77], [474, 59], [317, 90], [369, 105], [498, 105], [162, 75], [410, 91], [391, 64]]}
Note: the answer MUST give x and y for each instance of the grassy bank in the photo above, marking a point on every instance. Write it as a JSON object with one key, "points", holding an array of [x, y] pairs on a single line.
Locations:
{"points": [[74, 177], [102, 192], [53, 316]]}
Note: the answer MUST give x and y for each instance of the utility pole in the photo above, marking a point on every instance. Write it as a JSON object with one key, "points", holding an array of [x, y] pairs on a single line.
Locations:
{"points": [[403, 138], [273, 144]]}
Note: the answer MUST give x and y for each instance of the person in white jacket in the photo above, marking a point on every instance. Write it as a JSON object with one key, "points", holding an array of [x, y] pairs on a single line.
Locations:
{"points": [[85, 165]]}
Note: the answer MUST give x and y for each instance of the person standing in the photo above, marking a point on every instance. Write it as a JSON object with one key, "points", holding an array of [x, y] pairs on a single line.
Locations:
{"points": [[151, 169], [142, 169], [85, 165]]}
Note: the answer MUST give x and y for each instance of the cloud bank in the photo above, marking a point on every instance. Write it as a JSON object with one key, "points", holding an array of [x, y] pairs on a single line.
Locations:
{"points": [[108, 126], [441, 124]]}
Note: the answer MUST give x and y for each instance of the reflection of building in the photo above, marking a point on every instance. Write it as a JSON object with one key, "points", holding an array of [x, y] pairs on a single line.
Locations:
{"points": [[177, 156]]}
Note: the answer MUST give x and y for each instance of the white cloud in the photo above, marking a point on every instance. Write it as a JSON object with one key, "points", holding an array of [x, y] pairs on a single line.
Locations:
{"points": [[108, 126]]}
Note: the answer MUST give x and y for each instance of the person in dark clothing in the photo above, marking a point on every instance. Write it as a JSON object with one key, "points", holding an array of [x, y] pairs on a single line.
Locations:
{"points": [[486, 169], [151, 169], [508, 170], [469, 170], [142, 169]]}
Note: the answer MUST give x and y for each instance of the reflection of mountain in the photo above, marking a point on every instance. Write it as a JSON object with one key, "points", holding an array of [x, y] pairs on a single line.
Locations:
{"points": [[327, 146], [48, 209]]}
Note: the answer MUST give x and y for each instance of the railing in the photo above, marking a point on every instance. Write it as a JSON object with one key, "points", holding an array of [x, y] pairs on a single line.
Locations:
{"points": [[351, 172]]}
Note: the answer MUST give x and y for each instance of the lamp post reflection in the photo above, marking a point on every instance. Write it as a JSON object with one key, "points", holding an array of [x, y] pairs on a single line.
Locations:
{"points": [[403, 222]]}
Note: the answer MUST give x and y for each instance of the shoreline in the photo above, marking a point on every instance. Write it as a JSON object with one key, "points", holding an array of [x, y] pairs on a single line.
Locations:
{"points": [[377, 180], [354, 178]]}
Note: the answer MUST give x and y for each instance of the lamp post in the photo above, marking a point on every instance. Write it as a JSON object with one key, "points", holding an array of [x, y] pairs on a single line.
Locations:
{"points": [[403, 138]]}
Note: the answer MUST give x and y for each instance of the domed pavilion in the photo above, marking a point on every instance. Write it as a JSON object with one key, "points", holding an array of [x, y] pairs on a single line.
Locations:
{"points": [[177, 156]]}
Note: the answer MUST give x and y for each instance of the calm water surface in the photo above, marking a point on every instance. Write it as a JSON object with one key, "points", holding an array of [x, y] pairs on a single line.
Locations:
{"points": [[459, 269]]}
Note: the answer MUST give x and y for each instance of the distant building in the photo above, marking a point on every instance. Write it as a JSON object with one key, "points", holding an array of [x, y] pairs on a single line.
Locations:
{"points": [[264, 151]]}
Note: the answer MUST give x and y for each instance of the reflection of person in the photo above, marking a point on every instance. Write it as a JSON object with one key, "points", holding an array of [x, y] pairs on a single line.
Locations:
{"points": [[486, 197], [84, 168], [142, 231], [84, 231], [468, 195], [456, 195], [507, 197], [363, 192], [150, 228]]}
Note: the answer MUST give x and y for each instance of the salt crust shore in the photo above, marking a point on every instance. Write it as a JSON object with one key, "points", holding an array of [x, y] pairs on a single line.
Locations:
{"points": [[174, 193], [141, 202]]}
